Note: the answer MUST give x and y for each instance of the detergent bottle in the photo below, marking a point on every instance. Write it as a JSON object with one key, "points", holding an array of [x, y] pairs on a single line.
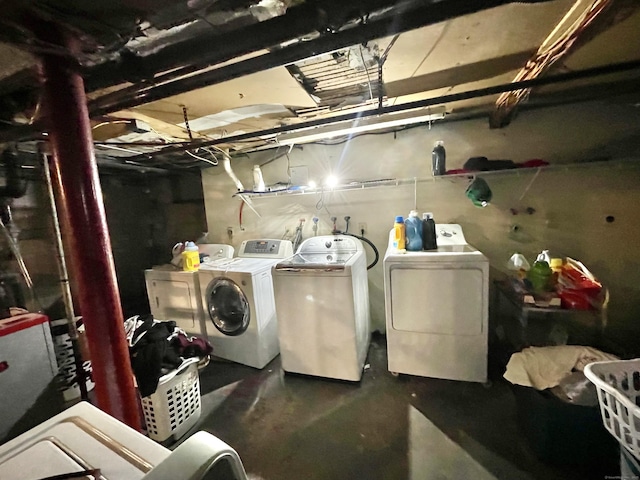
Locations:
{"points": [[399, 234], [413, 230], [190, 257], [438, 159], [429, 241]]}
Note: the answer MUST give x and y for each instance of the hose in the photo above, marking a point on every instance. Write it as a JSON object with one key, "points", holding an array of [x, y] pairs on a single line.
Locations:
{"points": [[367, 241]]}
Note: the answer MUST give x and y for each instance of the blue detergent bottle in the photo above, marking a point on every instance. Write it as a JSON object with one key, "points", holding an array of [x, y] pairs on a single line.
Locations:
{"points": [[413, 228]]}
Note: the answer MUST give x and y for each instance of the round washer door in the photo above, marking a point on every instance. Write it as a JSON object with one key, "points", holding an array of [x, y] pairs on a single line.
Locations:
{"points": [[228, 306]]}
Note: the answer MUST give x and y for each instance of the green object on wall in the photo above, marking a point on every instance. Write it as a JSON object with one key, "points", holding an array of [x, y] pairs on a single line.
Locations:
{"points": [[479, 192]]}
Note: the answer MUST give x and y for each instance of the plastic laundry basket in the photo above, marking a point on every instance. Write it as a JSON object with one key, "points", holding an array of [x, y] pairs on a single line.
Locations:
{"points": [[618, 386], [175, 406]]}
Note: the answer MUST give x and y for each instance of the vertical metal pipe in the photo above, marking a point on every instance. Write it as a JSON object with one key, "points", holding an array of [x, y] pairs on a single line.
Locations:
{"points": [[64, 279], [76, 175]]}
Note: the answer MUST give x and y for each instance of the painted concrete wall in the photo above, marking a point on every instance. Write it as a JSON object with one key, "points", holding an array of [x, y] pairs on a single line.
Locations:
{"points": [[571, 202], [146, 217]]}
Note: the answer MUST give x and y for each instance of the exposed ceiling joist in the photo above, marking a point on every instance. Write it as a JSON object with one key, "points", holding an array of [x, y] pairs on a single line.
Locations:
{"points": [[585, 20], [272, 133], [408, 16], [458, 75]]}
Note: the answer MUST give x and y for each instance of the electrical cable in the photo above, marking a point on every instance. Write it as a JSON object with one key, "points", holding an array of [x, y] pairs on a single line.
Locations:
{"points": [[366, 69], [197, 157]]}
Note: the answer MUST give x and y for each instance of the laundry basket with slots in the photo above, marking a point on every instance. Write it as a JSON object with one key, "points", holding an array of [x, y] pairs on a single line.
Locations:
{"points": [[618, 387], [175, 406]]}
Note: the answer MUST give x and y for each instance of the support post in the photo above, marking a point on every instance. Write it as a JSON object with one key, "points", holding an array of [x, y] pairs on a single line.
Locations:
{"points": [[76, 174]]}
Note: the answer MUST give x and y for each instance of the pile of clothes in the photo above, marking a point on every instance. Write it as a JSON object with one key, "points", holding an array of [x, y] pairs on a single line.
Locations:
{"points": [[156, 348]]}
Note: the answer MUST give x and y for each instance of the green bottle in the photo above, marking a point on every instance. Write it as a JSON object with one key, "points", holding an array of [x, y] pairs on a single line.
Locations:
{"points": [[540, 276]]}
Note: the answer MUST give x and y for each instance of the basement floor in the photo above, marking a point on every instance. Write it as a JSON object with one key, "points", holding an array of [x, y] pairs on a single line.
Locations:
{"points": [[290, 427]]}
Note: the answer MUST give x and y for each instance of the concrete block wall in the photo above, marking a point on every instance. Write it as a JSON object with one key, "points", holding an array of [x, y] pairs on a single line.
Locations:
{"points": [[146, 217]]}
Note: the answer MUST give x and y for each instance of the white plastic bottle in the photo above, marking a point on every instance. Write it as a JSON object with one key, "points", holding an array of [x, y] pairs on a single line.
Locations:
{"points": [[258, 181]]}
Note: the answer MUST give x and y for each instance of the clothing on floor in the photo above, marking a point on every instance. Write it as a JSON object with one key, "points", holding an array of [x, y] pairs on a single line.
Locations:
{"points": [[156, 348]]}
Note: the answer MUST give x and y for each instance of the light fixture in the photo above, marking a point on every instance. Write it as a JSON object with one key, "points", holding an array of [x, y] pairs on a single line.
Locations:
{"points": [[361, 125], [331, 181], [312, 184]]}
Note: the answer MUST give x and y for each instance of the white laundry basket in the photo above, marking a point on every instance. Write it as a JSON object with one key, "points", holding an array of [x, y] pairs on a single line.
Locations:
{"points": [[175, 406], [618, 386]]}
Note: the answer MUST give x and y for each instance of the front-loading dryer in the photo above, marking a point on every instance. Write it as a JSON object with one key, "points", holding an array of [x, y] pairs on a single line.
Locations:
{"points": [[175, 294], [437, 309], [238, 303]]}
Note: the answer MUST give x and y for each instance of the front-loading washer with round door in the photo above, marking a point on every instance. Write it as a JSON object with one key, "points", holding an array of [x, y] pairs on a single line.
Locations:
{"points": [[238, 303]]}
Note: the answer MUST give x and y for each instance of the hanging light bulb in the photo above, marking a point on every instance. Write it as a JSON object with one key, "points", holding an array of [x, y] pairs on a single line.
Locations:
{"points": [[331, 181]]}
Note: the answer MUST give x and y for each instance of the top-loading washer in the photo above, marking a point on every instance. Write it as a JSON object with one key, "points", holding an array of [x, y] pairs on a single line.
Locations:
{"points": [[175, 294], [322, 299], [436, 308], [85, 442], [238, 304]]}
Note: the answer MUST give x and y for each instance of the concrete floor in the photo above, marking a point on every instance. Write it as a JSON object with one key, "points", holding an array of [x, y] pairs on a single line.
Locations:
{"points": [[290, 427]]}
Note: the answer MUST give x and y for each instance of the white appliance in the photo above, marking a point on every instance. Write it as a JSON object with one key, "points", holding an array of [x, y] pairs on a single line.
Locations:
{"points": [[437, 309], [175, 294], [27, 366], [238, 304], [322, 299], [84, 438]]}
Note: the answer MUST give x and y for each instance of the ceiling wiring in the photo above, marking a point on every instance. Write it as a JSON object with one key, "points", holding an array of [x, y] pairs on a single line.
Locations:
{"points": [[553, 49], [428, 53], [206, 160], [364, 63]]}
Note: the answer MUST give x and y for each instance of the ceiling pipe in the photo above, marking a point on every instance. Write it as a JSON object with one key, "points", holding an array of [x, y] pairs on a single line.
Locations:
{"points": [[189, 55], [412, 15], [454, 97], [226, 163], [302, 20]]}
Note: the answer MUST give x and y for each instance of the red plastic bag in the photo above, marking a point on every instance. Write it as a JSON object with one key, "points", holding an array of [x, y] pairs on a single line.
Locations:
{"points": [[578, 288]]}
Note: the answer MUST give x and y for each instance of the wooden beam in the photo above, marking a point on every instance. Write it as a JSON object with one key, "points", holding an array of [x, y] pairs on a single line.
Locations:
{"points": [[583, 22], [458, 75]]}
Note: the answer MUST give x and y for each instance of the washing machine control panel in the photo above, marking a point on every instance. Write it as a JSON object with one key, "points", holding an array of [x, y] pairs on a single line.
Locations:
{"points": [[331, 244], [449, 234], [266, 248]]}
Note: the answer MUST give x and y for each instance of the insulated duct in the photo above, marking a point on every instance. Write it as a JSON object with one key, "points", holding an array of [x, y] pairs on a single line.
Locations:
{"points": [[226, 163]]}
